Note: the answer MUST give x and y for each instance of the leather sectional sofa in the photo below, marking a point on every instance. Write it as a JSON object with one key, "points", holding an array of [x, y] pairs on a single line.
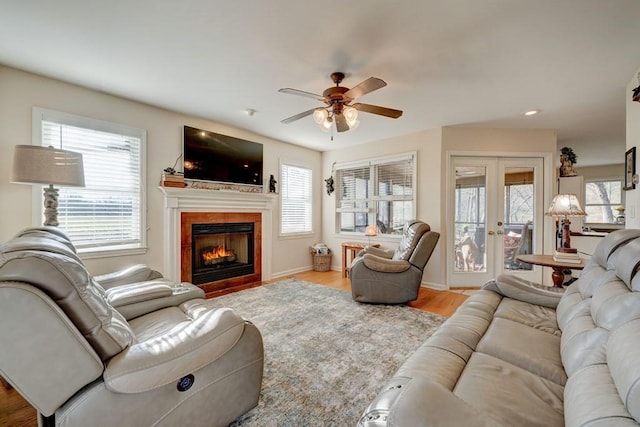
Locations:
{"points": [[520, 354]]}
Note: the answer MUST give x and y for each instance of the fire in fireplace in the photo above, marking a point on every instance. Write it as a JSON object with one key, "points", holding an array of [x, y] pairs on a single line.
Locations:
{"points": [[221, 251], [217, 255]]}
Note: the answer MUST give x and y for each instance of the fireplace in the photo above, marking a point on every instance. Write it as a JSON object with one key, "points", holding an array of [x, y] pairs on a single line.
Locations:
{"points": [[220, 251]]}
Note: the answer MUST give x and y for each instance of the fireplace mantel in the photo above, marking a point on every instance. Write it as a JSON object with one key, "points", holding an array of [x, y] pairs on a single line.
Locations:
{"points": [[178, 200]]}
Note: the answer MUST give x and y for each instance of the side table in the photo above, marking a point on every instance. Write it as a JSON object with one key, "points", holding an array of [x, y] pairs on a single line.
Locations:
{"points": [[349, 251], [547, 261]]}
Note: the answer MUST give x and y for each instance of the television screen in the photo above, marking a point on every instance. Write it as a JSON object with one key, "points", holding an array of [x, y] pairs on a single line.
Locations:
{"points": [[210, 156]]}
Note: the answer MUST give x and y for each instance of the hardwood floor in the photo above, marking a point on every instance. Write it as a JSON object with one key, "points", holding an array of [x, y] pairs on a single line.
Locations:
{"points": [[16, 412], [440, 302]]}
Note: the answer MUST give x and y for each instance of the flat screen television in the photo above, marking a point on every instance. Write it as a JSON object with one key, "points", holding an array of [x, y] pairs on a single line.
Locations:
{"points": [[210, 156]]}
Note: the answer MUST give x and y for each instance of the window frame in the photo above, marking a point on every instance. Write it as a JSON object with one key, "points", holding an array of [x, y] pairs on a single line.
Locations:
{"points": [[613, 205], [310, 192], [41, 114], [373, 198]]}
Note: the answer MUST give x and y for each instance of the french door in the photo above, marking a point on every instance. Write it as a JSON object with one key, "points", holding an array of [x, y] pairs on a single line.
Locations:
{"points": [[496, 210]]}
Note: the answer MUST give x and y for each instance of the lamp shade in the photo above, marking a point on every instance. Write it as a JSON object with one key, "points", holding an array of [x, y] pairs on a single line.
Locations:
{"points": [[371, 231], [565, 204], [33, 164]]}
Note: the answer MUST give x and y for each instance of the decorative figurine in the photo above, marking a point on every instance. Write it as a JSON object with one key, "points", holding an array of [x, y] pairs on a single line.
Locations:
{"points": [[567, 160], [272, 184], [329, 185]]}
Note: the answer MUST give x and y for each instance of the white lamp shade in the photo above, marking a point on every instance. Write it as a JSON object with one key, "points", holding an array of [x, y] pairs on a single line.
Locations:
{"points": [[565, 204], [33, 164], [371, 231]]}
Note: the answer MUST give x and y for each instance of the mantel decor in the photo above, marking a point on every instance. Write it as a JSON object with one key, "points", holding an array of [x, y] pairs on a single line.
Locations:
{"points": [[630, 169]]}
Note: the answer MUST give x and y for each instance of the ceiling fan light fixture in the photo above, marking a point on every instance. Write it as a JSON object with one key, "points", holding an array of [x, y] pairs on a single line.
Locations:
{"points": [[354, 125], [350, 115], [327, 122], [320, 115]]}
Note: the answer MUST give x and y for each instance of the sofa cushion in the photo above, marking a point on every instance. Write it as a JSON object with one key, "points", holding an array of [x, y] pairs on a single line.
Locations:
{"points": [[531, 315], [531, 349], [510, 394]]}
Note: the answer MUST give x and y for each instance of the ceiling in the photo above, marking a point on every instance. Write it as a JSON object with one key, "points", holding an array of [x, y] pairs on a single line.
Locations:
{"points": [[447, 63]]}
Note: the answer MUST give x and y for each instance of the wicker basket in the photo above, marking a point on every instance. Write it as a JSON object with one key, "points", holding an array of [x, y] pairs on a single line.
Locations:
{"points": [[322, 262]]}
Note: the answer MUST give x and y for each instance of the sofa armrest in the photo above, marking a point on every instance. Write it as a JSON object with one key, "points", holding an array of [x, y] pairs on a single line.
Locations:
{"points": [[136, 299], [419, 402], [385, 265], [168, 357], [137, 292], [134, 274], [380, 252], [523, 290]]}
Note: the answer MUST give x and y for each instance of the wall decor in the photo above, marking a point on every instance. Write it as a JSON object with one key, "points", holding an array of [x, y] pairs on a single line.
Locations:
{"points": [[629, 168]]}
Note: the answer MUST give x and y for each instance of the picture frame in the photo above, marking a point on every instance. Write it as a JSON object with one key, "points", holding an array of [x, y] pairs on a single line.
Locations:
{"points": [[629, 168]]}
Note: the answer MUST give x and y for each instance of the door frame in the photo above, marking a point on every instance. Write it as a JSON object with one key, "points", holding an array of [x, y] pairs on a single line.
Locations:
{"points": [[548, 176]]}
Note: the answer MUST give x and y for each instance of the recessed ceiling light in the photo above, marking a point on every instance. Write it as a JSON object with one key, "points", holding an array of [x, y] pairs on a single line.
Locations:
{"points": [[531, 112]]}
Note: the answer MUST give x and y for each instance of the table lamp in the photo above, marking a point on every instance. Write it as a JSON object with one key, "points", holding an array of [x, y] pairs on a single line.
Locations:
{"points": [[33, 164], [566, 205], [371, 231]]}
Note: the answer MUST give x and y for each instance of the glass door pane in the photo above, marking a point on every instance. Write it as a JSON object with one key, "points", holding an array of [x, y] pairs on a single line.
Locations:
{"points": [[518, 216], [469, 228]]}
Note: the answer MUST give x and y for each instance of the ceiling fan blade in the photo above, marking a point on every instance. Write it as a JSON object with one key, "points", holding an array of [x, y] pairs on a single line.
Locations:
{"points": [[298, 116], [303, 93], [381, 111], [369, 85], [341, 123]]}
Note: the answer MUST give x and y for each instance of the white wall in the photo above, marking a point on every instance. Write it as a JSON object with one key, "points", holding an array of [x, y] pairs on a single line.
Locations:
{"points": [[20, 91], [633, 140]]}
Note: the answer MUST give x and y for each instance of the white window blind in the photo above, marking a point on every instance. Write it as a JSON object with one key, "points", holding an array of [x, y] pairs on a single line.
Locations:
{"points": [[379, 191], [296, 205], [106, 214]]}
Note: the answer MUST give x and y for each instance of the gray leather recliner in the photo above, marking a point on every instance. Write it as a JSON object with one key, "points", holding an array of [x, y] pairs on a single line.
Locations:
{"points": [[393, 277], [143, 352]]}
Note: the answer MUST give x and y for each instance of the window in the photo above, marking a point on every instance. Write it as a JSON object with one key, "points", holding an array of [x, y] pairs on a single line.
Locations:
{"points": [[296, 199], [379, 191], [602, 197], [106, 214]]}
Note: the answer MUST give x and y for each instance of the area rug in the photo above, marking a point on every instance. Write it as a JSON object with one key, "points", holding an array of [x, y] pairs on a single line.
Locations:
{"points": [[326, 356]]}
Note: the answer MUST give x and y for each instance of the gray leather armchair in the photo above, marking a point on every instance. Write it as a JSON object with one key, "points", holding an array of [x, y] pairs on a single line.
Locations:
{"points": [[394, 277], [143, 352]]}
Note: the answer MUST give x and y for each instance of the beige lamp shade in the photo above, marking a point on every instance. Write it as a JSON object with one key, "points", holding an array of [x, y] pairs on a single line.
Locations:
{"points": [[565, 205], [371, 231], [33, 164]]}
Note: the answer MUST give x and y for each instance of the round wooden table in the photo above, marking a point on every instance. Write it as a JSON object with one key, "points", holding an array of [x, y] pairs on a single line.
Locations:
{"points": [[547, 261]]}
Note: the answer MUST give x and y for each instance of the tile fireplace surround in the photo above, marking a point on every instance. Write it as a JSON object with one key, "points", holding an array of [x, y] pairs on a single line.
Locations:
{"points": [[183, 200]]}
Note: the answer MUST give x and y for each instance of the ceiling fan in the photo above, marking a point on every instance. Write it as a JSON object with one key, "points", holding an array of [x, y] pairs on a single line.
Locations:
{"points": [[339, 108]]}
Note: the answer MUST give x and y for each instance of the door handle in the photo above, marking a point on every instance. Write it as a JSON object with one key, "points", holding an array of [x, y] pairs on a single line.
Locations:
{"points": [[499, 232], [491, 232]]}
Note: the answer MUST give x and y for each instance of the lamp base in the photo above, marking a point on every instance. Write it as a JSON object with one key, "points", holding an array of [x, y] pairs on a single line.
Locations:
{"points": [[568, 250], [51, 206]]}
